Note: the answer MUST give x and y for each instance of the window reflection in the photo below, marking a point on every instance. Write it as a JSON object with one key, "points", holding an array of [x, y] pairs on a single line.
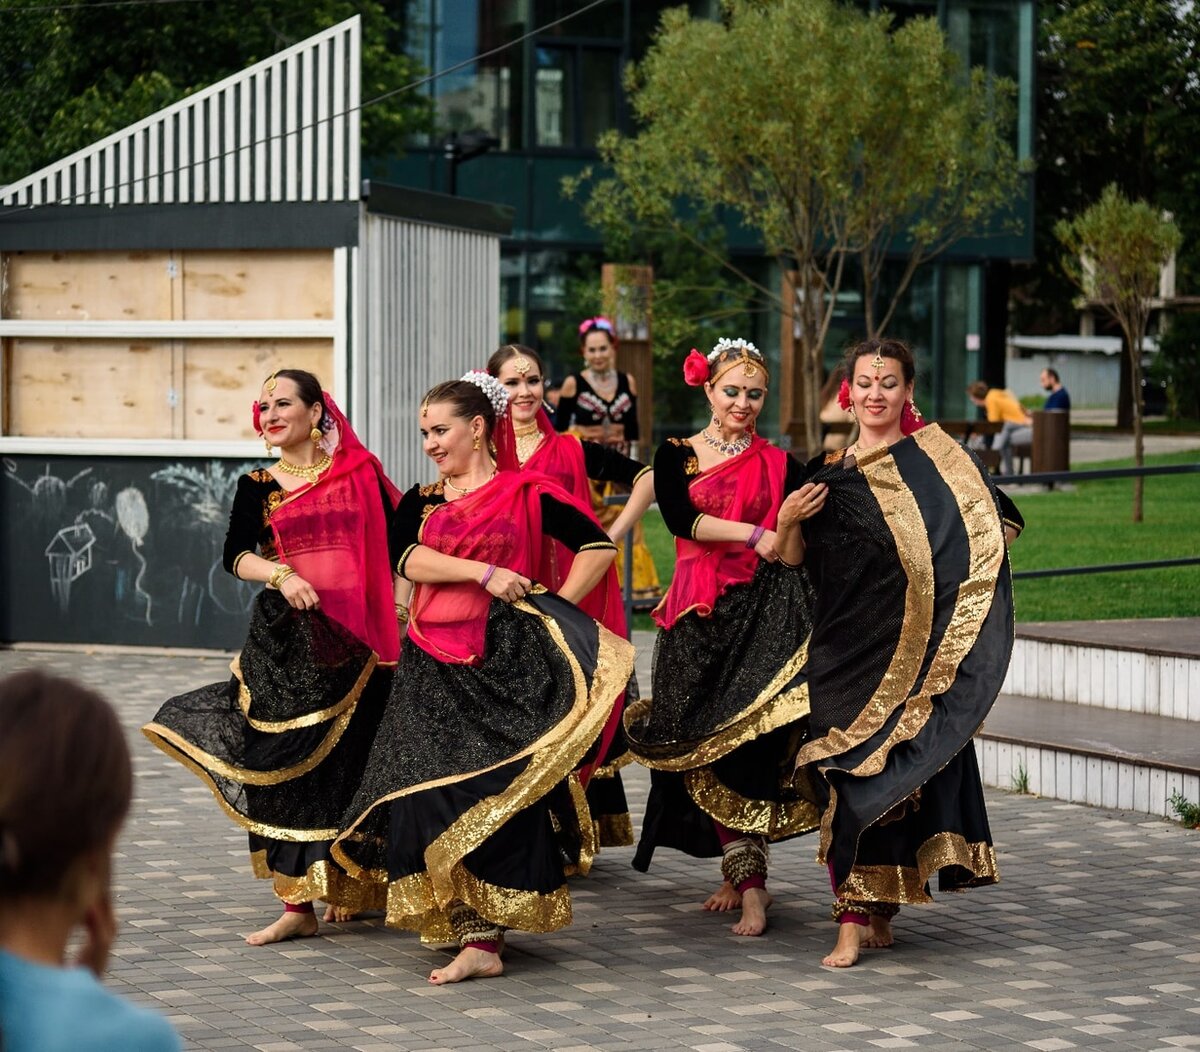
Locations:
{"points": [[553, 93]]}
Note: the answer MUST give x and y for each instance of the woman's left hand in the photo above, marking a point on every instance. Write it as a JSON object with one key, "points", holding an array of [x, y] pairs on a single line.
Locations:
{"points": [[802, 504]]}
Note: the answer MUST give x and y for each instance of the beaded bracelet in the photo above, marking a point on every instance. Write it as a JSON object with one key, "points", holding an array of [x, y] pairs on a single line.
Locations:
{"points": [[281, 573], [755, 536], [487, 575]]}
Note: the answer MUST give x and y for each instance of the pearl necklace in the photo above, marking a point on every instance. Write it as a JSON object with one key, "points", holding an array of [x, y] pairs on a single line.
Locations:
{"points": [[310, 472], [728, 449], [462, 492], [528, 439]]}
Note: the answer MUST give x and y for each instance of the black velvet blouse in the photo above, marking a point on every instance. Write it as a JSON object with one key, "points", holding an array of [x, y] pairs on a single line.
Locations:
{"points": [[588, 409], [676, 467], [258, 495], [608, 464]]}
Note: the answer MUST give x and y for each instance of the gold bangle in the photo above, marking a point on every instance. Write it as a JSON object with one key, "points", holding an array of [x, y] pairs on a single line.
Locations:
{"points": [[281, 573], [402, 613]]}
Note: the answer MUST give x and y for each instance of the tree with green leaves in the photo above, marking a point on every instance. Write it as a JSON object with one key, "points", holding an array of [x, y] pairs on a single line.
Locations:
{"points": [[1115, 252], [73, 73], [831, 135], [1119, 102]]}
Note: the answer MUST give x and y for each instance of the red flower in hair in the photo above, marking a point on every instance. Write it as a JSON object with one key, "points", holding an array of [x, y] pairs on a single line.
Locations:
{"points": [[695, 369], [257, 413], [844, 394]]}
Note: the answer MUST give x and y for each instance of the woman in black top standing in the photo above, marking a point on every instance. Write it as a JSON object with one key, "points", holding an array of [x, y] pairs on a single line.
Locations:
{"points": [[599, 404]]}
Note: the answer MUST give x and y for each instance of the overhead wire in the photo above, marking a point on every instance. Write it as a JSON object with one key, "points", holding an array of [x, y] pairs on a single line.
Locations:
{"points": [[375, 100]]}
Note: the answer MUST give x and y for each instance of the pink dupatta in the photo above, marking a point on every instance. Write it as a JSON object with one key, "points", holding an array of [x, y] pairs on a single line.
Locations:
{"points": [[560, 457], [501, 524], [333, 533], [745, 488]]}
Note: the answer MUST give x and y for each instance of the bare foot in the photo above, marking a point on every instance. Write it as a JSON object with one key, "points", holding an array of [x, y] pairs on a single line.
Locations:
{"points": [[879, 935], [339, 914], [289, 926], [845, 953], [471, 963], [755, 902], [724, 899]]}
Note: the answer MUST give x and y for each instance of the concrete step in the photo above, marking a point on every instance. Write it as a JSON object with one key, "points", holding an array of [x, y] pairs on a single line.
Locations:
{"points": [[1106, 757], [1147, 666]]}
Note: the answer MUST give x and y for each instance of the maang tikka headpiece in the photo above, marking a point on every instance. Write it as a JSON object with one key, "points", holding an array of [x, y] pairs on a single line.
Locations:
{"points": [[272, 380], [877, 362]]}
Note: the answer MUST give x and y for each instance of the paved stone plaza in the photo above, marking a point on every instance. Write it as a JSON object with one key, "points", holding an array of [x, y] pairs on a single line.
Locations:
{"points": [[1090, 941]]}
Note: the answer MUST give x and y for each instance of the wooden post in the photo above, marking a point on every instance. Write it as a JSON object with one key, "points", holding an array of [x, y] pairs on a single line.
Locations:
{"points": [[628, 295], [791, 369]]}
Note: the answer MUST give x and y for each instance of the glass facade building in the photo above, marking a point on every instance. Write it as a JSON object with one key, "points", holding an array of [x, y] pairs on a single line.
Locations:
{"points": [[546, 100]]}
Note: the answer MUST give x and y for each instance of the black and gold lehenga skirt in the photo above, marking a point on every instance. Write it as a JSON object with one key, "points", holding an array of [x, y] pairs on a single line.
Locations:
{"points": [[729, 712], [606, 790], [909, 654], [468, 795], [282, 744]]}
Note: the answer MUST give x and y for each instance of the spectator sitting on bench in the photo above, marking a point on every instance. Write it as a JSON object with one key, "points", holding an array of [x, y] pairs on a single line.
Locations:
{"points": [[1003, 408], [1057, 398]]}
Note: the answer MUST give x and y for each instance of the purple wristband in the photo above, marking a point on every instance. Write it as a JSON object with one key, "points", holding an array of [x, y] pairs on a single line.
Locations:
{"points": [[755, 536], [487, 575]]}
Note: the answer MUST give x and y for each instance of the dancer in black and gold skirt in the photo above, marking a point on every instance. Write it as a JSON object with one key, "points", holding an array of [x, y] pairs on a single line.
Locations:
{"points": [[912, 634], [730, 707], [468, 814], [281, 744]]}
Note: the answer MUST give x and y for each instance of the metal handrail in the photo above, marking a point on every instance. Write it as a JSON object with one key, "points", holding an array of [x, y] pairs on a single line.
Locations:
{"points": [[1049, 477], [1037, 478]]}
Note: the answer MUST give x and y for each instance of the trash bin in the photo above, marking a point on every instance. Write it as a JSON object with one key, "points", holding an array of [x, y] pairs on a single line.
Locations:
{"points": [[1051, 440]]}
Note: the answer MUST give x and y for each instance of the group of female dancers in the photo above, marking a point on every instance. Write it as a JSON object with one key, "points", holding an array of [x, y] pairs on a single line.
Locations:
{"points": [[436, 695]]}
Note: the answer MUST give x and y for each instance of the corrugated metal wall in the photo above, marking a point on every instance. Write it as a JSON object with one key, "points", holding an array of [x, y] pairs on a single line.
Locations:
{"points": [[430, 310], [285, 129]]}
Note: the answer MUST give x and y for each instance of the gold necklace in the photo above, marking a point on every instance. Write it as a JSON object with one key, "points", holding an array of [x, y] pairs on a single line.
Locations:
{"points": [[310, 472], [529, 437], [462, 492]]}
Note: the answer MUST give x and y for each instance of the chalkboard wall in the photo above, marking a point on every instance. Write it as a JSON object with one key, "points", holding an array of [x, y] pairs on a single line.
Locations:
{"points": [[119, 550]]}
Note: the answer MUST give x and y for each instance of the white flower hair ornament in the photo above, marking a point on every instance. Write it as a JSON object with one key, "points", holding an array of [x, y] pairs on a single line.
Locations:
{"points": [[496, 392], [726, 344]]}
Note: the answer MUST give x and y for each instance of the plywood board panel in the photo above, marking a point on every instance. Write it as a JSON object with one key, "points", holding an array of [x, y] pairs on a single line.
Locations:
{"points": [[89, 388], [221, 379], [88, 286], [257, 284]]}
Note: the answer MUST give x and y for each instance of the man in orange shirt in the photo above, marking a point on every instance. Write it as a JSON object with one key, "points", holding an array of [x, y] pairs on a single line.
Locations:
{"points": [[1003, 408]]}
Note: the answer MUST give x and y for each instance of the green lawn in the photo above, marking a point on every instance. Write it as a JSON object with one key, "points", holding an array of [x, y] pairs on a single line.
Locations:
{"points": [[1087, 526], [1092, 525]]}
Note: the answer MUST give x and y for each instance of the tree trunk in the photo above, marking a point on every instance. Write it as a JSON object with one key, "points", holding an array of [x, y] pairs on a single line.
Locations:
{"points": [[1139, 459]]}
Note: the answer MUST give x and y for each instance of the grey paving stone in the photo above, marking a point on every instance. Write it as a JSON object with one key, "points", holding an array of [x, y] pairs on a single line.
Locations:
{"points": [[1081, 945]]}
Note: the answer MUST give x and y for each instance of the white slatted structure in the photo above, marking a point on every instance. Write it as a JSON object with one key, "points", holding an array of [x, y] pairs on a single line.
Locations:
{"points": [[430, 308], [286, 129]]}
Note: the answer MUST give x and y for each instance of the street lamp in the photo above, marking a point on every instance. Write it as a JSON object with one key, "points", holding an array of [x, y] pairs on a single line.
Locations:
{"points": [[457, 148]]}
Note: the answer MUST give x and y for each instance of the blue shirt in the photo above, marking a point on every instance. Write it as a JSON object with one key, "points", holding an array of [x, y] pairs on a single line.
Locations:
{"points": [[47, 1009], [1058, 399]]}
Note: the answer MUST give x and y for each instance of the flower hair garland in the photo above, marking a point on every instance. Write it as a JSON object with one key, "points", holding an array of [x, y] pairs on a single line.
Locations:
{"points": [[697, 366], [726, 344], [496, 392]]}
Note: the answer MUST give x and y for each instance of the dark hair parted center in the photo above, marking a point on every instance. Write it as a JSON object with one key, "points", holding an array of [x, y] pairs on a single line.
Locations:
{"points": [[514, 350], [884, 348]]}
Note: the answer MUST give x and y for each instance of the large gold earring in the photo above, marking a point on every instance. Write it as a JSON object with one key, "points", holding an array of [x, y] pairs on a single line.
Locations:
{"points": [[315, 435], [267, 443], [475, 443]]}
